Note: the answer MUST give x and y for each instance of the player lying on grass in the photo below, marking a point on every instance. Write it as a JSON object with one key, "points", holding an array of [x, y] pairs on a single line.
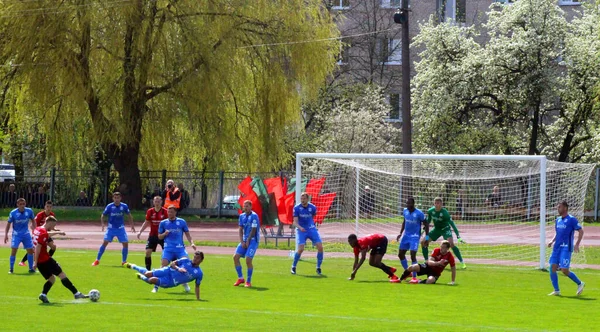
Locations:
{"points": [[434, 267], [178, 272], [377, 243], [442, 226], [47, 266]]}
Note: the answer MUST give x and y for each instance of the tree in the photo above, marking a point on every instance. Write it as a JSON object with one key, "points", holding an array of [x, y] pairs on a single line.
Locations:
{"points": [[524, 86], [158, 82]]}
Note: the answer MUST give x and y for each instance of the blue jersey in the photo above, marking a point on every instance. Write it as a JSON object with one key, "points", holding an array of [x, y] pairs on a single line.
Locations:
{"points": [[305, 215], [192, 272], [249, 222], [116, 215], [412, 222], [176, 228], [565, 231], [20, 220]]}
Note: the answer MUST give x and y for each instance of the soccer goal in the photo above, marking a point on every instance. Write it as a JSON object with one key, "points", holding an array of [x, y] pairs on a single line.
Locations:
{"points": [[503, 206]]}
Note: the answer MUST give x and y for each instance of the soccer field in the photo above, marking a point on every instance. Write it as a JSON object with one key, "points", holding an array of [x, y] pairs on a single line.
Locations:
{"points": [[486, 298]]}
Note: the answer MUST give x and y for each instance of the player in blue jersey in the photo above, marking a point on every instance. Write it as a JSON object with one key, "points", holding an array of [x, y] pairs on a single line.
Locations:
{"points": [[178, 272], [22, 220], [562, 247], [115, 212], [249, 238], [171, 230], [411, 227], [306, 229]]}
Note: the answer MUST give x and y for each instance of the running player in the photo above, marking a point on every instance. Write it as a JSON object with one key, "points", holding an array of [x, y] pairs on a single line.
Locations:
{"points": [[116, 212], [306, 229], [47, 266], [377, 243], [442, 223], [21, 218], [154, 216], [171, 230], [178, 272], [411, 227], [434, 267], [562, 247], [249, 238], [40, 219]]}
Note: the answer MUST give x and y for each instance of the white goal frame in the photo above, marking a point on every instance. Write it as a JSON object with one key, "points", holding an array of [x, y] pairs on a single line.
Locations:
{"points": [[541, 159]]}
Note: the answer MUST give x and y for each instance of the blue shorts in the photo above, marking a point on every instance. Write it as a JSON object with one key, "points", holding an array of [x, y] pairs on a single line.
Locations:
{"points": [[21, 238], [561, 257], [248, 252], [165, 280], [120, 233], [174, 254], [409, 243], [311, 233]]}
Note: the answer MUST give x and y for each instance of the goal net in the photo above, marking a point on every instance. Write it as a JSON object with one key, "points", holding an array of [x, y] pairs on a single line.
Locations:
{"points": [[504, 206]]}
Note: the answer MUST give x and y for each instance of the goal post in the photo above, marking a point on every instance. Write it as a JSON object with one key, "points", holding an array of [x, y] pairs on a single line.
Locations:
{"points": [[528, 184]]}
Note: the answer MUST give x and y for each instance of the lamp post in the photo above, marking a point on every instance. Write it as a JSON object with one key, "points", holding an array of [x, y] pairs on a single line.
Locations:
{"points": [[401, 17]]}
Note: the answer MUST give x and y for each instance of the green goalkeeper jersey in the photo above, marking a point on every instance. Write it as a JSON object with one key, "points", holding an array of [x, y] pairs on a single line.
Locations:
{"points": [[441, 219]]}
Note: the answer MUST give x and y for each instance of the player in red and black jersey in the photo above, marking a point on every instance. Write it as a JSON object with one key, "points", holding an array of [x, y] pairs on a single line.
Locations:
{"points": [[47, 266], [154, 216], [40, 219], [377, 243], [434, 267]]}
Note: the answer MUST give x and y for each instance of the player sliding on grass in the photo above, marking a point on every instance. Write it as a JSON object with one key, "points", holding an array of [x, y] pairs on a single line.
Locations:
{"points": [[562, 247], [249, 237], [441, 227], [178, 272], [377, 243], [411, 227], [434, 267]]}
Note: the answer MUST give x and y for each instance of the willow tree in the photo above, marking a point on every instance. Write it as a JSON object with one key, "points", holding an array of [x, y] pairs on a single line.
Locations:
{"points": [[156, 82]]}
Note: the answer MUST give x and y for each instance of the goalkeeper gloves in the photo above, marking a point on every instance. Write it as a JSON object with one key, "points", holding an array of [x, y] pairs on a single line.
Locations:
{"points": [[461, 241]]}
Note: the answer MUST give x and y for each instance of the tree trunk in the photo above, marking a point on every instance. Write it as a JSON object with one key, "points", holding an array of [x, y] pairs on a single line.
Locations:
{"points": [[535, 126], [130, 182]]}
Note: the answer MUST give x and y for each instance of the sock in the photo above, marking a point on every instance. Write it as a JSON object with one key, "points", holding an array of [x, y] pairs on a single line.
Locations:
{"points": [[100, 252], [12, 262], [30, 261], [124, 252], [238, 269], [139, 269], [414, 274], [425, 252], [148, 263], [67, 283], [24, 258], [319, 259], [554, 279], [296, 259], [385, 269], [249, 279], [457, 253], [573, 277], [405, 274], [51, 252], [404, 263], [144, 278], [47, 287]]}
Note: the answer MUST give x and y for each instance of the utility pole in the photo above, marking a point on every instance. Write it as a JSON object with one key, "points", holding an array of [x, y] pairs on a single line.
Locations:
{"points": [[401, 17]]}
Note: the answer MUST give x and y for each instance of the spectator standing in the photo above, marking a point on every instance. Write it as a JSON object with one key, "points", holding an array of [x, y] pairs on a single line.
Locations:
{"points": [[83, 200]]}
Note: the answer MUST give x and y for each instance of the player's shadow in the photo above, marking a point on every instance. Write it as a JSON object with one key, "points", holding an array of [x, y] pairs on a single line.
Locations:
{"points": [[52, 304], [191, 299], [374, 281], [258, 289], [312, 276], [575, 297]]}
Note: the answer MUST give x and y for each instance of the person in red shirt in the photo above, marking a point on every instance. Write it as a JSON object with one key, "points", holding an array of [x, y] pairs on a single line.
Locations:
{"points": [[47, 266], [434, 267], [154, 216], [40, 218], [377, 243]]}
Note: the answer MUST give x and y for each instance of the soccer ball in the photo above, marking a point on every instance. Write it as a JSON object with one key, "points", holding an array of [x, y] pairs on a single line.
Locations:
{"points": [[94, 295]]}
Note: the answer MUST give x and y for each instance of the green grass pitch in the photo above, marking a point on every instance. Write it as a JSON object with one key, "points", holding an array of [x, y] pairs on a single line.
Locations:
{"points": [[485, 298]]}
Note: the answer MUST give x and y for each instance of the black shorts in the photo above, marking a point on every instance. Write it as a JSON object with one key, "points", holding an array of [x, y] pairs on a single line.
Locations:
{"points": [[49, 268], [426, 270], [381, 248], [153, 242]]}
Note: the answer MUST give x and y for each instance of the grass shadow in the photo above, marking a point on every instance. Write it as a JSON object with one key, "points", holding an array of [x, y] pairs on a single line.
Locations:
{"points": [[53, 304], [575, 297], [374, 281], [258, 289], [312, 276]]}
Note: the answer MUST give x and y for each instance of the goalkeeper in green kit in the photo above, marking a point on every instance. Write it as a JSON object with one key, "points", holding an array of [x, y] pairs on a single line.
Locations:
{"points": [[441, 227]]}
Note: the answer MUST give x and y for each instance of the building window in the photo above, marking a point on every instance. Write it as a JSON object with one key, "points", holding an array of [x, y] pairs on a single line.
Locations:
{"points": [[453, 10], [569, 3], [396, 108], [506, 2], [340, 4], [391, 51], [391, 3]]}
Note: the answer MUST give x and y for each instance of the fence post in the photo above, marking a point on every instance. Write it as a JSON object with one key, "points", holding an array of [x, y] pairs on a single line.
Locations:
{"points": [[52, 183], [106, 183], [597, 194], [221, 183], [163, 179]]}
